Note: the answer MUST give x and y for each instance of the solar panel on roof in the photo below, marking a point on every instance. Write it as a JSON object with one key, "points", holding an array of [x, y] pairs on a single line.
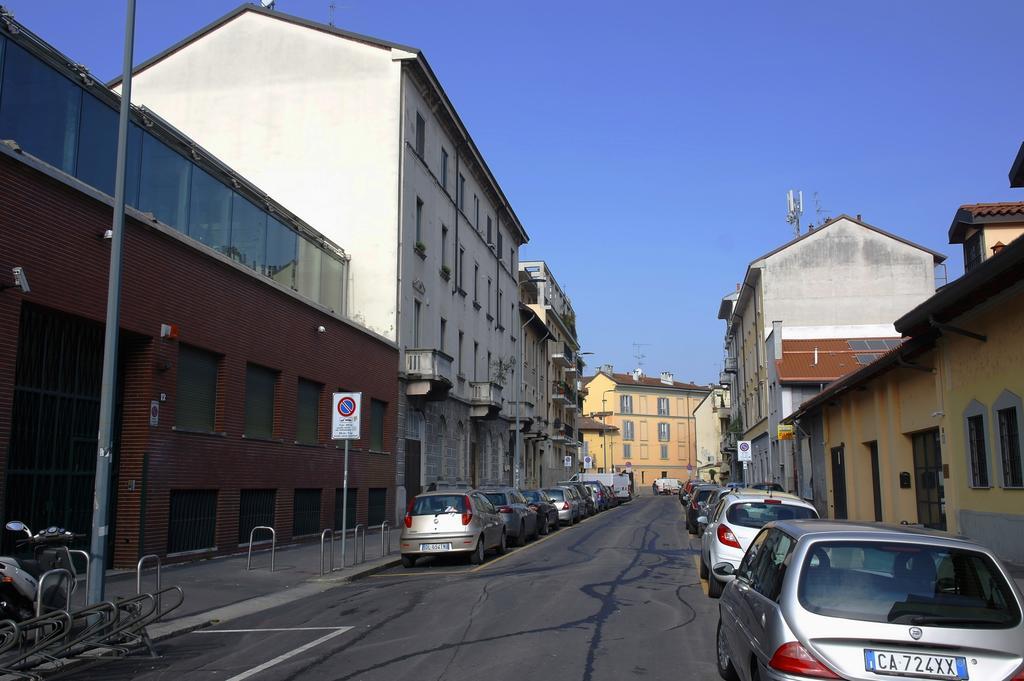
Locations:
{"points": [[866, 359], [859, 345]]}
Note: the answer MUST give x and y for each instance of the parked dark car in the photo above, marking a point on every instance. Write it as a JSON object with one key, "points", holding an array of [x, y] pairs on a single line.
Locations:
{"points": [[547, 514], [520, 521], [590, 505], [600, 496], [699, 496]]}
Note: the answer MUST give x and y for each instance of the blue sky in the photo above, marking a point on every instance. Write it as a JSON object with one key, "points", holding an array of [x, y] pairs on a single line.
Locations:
{"points": [[648, 146]]}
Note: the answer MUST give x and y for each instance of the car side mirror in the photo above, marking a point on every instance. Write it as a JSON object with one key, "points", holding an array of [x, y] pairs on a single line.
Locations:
{"points": [[702, 520], [724, 569]]}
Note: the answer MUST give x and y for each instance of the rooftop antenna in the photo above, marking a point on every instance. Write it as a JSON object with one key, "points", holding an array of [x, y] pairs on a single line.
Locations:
{"points": [[268, 4], [819, 211], [638, 355], [795, 208], [331, 7]]}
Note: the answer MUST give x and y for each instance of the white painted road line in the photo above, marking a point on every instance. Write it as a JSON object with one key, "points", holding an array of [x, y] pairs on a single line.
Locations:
{"points": [[281, 658], [246, 631]]}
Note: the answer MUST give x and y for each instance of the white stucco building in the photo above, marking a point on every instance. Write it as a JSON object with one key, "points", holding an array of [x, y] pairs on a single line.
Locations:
{"points": [[843, 279], [357, 134]]}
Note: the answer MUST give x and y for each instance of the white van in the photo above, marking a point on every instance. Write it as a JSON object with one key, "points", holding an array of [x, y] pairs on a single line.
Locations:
{"points": [[619, 482], [668, 485]]}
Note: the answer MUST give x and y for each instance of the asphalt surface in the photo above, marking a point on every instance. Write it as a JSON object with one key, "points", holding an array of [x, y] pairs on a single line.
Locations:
{"points": [[614, 597]]}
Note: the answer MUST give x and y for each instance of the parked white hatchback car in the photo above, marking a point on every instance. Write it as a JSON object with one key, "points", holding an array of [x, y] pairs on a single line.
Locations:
{"points": [[736, 521]]}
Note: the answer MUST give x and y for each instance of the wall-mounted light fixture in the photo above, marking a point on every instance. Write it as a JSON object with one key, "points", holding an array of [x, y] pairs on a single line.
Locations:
{"points": [[20, 280]]}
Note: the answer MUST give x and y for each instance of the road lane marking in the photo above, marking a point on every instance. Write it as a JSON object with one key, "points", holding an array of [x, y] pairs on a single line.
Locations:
{"points": [[246, 631], [292, 653]]}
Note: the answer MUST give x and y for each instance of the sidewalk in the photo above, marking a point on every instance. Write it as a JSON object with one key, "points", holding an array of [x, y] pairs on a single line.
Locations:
{"points": [[221, 589]]}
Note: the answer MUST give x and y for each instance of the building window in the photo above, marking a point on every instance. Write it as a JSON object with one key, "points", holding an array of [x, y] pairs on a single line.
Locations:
{"points": [[499, 308], [663, 406], [664, 434], [627, 430], [476, 212], [476, 361], [196, 400], [377, 410], [973, 251], [488, 365], [664, 452], [444, 169], [459, 358], [460, 191], [490, 240], [643, 452], [627, 451], [500, 247], [416, 324], [444, 245], [259, 401], [421, 134], [626, 404], [419, 221], [1009, 446], [444, 332], [476, 283], [462, 266], [977, 464], [307, 413], [488, 295]]}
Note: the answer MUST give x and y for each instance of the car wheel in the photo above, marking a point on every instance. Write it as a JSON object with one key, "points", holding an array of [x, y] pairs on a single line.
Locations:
{"points": [[725, 667], [715, 587], [503, 544], [477, 557], [542, 527], [521, 537], [408, 561]]}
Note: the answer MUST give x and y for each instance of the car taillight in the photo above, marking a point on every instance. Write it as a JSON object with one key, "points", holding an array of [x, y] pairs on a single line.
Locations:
{"points": [[1019, 676], [408, 512], [726, 536], [793, 658], [467, 515], [565, 506], [505, 509]]}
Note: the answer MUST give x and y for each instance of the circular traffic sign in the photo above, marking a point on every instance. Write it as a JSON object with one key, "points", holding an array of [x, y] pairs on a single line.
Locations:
{"points": [[744, 446], [346, 406]]}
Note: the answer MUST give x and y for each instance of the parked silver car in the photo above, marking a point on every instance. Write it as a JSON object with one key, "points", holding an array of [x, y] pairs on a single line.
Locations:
{"points": [[520, 520], [586, 496], [567, 503], [840, 600], [447, 522]]}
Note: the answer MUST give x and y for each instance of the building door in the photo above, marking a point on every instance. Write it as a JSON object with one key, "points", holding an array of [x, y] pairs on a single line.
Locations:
{"points": [[51, 462], [839, 483], [931, 504], [876, 481], [413, 482]]}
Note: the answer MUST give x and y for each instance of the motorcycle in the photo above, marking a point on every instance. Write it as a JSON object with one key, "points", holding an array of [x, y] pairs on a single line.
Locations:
{"points": [[19, 577]]}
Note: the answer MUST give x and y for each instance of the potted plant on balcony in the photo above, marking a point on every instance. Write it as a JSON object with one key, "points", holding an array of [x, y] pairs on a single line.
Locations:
{"points": [[446, 272], [421, 249], [500, 369]]}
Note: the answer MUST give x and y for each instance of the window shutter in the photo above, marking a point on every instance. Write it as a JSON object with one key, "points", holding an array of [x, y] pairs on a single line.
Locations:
{"points": [[196, 404], [259, 401], [308, 409]]}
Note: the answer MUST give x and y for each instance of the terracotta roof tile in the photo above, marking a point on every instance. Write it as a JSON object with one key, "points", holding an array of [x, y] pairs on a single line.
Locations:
{"points": [[975, 214], [992, 209], [836, 357], [649, 381], [587, 423]]}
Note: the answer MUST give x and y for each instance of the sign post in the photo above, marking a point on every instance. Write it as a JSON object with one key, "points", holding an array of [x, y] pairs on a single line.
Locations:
{"points": [[744, 454], [345, 411]]}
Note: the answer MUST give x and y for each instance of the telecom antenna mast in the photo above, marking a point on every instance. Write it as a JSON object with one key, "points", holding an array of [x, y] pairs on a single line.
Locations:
{"points": [[638, 354], [794, 209]]}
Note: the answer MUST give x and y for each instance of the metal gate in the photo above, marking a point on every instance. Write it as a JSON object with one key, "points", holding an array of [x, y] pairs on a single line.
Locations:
{"points": [[928, 479], [51, 461]]}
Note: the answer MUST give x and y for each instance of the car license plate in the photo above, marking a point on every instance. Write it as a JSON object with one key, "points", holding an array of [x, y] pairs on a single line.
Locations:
{"points": [[912, 664], [436, 547]]}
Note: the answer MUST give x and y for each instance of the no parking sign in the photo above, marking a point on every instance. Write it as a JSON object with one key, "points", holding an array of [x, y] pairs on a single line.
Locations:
{"points": [[345, 410]]}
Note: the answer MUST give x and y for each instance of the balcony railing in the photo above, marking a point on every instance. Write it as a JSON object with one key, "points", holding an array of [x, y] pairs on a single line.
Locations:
{"points": [[485, 392], [725, 378], [562, 394], [729, 442], [562, 356], [431, 365], [730, 365]]}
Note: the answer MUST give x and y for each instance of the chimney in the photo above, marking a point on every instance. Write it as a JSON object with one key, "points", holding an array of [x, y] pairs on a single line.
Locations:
{"points": [[999, 245], [606, 369], [666, 378], [859, 219], [815, 356], [637, 373], [777, 338]]}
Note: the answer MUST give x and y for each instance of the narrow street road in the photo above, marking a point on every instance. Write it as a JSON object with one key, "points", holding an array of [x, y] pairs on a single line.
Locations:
{"points": [[615, 597]]}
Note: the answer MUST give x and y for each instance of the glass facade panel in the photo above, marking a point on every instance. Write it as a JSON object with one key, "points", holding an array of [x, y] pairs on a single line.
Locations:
{"points": [[209, 213], [307, 274], [97, 150], [164, 184], [332, 284], [281, 253], [40, 109], [248, 234]]}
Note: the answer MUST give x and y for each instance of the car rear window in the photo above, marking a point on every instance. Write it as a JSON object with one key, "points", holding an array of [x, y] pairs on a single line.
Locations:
{"points": [[533, 495], [497, 498], [905, 583], [439, 503], [756, 514], [703, 494], [556, 493]]}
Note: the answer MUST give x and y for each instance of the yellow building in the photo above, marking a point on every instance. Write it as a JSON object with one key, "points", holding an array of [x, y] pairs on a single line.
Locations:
{"points": [[656, 435], [931, 433]]}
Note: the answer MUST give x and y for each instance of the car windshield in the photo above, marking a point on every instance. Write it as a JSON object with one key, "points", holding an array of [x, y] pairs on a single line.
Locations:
{"points": [[774, 486], [703, 494], [906, 583], [556, 493], [497, 498], [439, 503], [533, 495], [756, 514]]}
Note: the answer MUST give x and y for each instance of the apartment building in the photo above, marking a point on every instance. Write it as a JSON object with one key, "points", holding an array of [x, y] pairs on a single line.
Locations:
{"points": [[819, 283], [552, 376], [359, 136], [233, 334], [657, 431]]}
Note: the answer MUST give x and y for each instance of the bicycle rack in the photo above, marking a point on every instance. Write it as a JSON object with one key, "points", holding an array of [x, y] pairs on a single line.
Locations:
{"points": [[56, 572], [138, 575], [385, 539], [326, 534], [273, 546], [88, 568], [358, 547]]}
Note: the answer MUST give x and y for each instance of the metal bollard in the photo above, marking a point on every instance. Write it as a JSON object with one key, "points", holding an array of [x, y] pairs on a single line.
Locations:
{"points": [[326, 534], [385, 539], [273, 546], [138, 577]]}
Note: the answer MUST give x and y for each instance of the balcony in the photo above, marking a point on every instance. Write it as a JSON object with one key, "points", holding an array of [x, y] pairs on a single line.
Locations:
{"points": [[730, 365], [562, 394], [429, 374], [728, 443], [484, 400], [563, 357], [725, 378], [527, 416]]}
